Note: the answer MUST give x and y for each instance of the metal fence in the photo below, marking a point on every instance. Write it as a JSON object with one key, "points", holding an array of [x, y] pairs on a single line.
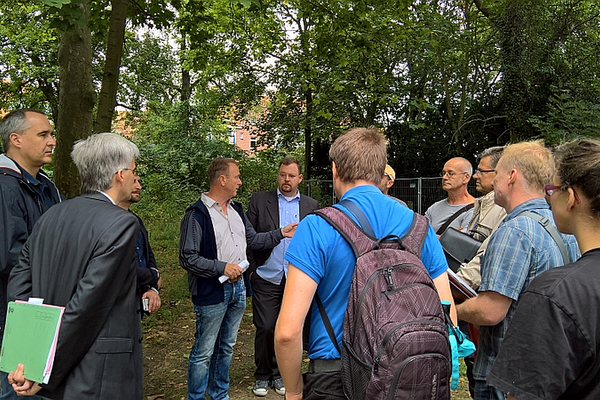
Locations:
{"points": [[418, 193]]}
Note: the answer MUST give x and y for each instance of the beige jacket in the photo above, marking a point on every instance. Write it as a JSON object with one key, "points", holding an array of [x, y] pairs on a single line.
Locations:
{"points": [[487, 215]]}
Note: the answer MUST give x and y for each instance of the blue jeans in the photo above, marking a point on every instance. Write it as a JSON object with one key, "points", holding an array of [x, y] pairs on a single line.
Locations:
{"points": [[7, 391], [216, 332], [483, 391]]}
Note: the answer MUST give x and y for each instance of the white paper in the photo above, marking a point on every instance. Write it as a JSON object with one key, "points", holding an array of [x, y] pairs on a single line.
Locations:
{"points": [[243, 265]]}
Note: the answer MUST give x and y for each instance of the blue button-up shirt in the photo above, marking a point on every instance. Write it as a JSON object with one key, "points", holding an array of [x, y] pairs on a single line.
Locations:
{"points": [[275, 267], [517, 252]]}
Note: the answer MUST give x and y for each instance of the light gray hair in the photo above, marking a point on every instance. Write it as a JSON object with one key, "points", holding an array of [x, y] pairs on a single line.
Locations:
{"points": [[15, 121], [99, 157], [494, 153]]}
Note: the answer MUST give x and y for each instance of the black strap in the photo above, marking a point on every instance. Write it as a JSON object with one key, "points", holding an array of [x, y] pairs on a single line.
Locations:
{"points": [[549, 227], [453, 217], [327, 323], [359, 215]]}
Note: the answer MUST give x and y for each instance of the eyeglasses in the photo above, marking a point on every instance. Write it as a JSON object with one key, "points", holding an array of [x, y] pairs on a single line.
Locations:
{"points": [[451, 173], [551, 189], [133, 171], [483, 171]]}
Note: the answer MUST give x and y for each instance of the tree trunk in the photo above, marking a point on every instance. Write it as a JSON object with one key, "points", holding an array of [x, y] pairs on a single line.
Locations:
{"points": [[110, 79], [308, 134], [76, 103]]}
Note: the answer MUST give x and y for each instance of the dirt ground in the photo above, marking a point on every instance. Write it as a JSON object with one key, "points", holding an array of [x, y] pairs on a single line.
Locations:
{"points": [[166, 351], [167, 346]]}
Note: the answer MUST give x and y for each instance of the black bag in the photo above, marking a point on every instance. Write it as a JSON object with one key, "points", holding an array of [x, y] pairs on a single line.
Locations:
{"points": [[395, 343], [459, 247]]}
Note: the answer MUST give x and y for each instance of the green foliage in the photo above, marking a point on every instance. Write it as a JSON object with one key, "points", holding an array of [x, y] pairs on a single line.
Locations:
{"points": [[568, 118]]}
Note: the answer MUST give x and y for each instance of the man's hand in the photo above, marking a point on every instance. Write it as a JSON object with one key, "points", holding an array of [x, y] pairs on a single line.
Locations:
{"points": [[288, 230], [233, 271], [21, 385], [153, 300]]}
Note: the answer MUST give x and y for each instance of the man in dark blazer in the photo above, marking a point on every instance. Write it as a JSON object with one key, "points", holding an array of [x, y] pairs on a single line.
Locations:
{"points": [[148, 277], [267, 211], [80, 256]]}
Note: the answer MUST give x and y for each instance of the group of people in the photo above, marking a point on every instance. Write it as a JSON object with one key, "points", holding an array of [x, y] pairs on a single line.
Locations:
{"points": [[92, 256]]}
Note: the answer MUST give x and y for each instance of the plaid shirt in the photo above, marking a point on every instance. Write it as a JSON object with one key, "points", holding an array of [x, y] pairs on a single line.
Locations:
{"points": [[517, 252]]}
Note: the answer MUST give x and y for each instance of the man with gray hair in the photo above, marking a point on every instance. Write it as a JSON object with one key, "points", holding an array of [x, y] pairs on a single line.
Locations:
{"points": [[487, 215], [457, 209], [81, 256], [25, 193]]}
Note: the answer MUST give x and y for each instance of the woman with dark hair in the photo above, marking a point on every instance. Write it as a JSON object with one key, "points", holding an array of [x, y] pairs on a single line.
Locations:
{"points": [[551, 347]]}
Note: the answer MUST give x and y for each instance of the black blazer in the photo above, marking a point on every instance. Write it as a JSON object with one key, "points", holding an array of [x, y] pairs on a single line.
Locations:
{"points": [[80, 255], [263, 214]]}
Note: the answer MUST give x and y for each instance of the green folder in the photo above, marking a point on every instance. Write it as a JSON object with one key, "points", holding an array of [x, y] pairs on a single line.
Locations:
{"points": [[30, 336]]}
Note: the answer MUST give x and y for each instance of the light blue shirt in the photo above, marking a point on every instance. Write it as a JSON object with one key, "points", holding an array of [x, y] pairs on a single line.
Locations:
{"points": [[275, 267]]}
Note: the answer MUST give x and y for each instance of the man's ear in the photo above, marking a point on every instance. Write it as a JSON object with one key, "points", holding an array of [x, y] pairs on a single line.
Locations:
{"points": [[299, 178], [15, 140], [334, 169]]}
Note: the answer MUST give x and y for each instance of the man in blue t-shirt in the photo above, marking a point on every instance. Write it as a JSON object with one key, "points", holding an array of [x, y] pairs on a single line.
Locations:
{"points": [[322, 261]]}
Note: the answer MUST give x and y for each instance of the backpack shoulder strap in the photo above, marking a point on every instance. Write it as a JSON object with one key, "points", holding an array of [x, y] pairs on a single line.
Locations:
{"points": [[457, 214], [551, 229], [359, 215], [414, 238], [354, 235]]}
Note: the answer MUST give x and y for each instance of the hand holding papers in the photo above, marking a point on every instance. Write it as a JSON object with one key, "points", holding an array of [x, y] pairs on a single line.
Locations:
{"points": [[30, 338], [243, 265], [461, 291]]}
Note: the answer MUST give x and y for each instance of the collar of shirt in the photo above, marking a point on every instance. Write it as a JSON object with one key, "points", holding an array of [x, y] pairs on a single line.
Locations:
{"points": [[32, 180], [108, 197], [533, 204], [211, 203], [281, 195]]}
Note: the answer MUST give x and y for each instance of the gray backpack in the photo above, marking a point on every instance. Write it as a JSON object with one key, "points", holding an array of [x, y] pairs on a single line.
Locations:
{"points": [[395, 342]]}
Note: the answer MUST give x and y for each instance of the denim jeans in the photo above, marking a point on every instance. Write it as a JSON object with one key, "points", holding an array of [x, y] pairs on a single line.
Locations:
{"points": [[216, 332], [483, 391], [7, 392]]}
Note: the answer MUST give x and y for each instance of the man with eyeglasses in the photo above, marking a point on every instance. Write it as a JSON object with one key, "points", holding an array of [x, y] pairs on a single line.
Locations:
{"points": [[457, 209], [80, 256], [487, 215], [148, 277], [26, 192], [519, 250], [267, 211]]}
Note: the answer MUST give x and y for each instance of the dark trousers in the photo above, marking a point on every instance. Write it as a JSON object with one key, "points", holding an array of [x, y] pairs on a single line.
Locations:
{"points": [[266, 303], [470, 360], [323, 386]]}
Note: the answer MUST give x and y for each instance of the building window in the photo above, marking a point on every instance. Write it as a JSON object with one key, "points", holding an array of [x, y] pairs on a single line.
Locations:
{"points": [[241, 135], [253, 142], [231, 135]]}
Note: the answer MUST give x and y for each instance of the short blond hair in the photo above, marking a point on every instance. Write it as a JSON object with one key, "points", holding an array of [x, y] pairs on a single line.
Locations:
{"points": [[359, 153], [533, 160]]}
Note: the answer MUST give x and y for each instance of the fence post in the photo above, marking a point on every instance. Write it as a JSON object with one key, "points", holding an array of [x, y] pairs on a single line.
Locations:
{"points": [[419, 194]]}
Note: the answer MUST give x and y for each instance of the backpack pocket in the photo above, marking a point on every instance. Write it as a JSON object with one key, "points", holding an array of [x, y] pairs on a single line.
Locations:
{"points": [[412, 363]]}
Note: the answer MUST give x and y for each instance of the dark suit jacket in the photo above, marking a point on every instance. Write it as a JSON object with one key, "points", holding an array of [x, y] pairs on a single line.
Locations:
{"points": [[263, 214], [147, 276], [80, 255]]}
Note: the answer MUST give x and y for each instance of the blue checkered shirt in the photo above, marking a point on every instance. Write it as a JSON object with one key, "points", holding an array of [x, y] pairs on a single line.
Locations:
{"points": [[517, 252]]}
